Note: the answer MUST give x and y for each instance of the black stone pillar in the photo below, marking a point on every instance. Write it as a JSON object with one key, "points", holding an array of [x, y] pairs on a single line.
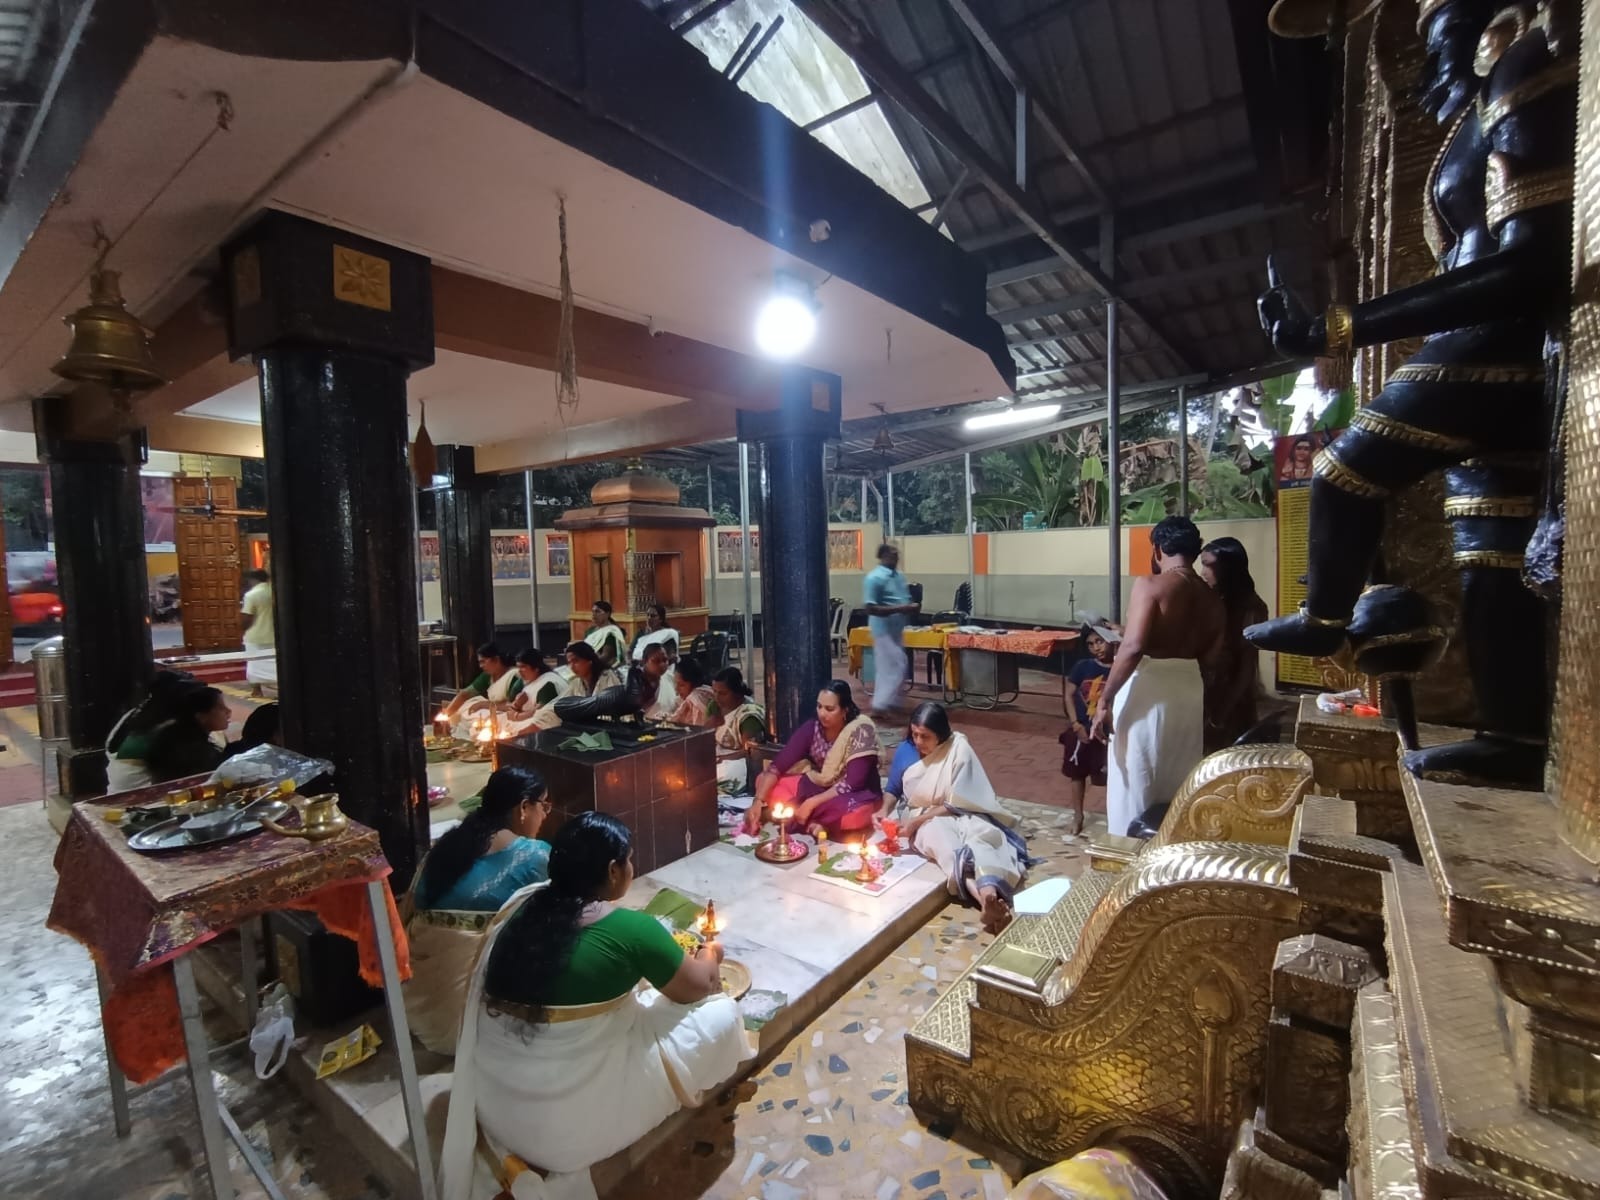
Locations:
{"points": [[794, 542], [335, 323], [466, 568], [98, 517]]}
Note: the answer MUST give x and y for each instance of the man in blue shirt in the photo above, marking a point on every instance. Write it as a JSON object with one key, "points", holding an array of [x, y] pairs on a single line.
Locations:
{"points": [[887, 600]]}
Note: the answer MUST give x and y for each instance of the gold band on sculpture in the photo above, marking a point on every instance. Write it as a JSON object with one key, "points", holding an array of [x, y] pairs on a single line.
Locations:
{"points": [[1393, 429], [1493, 559], [1460, 373], [1491, 506], [1327, 466], [1341, 329]]}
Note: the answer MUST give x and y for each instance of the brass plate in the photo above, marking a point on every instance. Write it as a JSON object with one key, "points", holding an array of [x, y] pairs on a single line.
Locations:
{"points": [[735, 978]]}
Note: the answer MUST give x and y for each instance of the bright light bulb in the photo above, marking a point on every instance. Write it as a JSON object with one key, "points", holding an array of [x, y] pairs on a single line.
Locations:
{"points": [[1013, 416], [785, 326]]}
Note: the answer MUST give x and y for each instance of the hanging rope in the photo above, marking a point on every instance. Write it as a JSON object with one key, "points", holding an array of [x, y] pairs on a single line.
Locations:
{"points": [[566, 348]]}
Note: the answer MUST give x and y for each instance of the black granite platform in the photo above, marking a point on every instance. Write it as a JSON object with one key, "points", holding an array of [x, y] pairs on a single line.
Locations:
{"points": [[665, 790]]}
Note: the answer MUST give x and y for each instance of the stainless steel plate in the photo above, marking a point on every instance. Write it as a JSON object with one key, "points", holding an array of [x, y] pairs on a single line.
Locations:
{"points": [[169, 835]]}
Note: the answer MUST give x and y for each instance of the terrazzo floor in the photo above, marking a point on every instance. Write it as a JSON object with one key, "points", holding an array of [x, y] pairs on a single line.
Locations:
{"points": [[826, 1119]]}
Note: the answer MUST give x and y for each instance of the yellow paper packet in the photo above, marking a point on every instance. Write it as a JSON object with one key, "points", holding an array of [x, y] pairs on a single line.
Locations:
{"points": [[354, 1047]]}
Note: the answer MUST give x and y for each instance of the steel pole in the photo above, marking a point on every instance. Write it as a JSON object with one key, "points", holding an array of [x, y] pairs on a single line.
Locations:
{"points": [[711, 540], [888, 525], [1114, 461], [744, 545], [533, 562], [1183, 451], [972, 562]]}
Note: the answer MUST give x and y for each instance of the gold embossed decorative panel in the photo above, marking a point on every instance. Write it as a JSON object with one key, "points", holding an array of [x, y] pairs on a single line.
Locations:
{"points": [[1398, 145], [360, 278], [1577, 715]]}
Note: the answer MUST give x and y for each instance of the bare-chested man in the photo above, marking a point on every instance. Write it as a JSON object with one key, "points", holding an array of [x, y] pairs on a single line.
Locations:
{"points": [[1152, 708]]}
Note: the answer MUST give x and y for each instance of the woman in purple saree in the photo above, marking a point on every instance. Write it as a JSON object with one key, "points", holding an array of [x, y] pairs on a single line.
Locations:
{"points": [[828, 770]]}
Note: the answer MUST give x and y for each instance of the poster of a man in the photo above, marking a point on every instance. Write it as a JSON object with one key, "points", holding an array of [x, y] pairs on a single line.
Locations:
{"points": [[1294, 456]]}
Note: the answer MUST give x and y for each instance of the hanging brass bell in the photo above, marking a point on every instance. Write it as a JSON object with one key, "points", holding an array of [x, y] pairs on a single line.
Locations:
{"points": [[109, 346]]}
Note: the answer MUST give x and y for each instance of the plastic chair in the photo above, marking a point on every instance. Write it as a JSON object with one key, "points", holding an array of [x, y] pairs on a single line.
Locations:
{"points": [[838, 637], [710, 650], [935, 667]]}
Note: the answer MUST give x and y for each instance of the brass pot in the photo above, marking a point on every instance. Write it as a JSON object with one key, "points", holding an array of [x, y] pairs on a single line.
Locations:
{"points": [[320, 818]]}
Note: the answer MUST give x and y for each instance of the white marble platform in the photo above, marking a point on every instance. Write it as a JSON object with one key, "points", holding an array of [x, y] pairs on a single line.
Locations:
{"points": [[798, 935]]}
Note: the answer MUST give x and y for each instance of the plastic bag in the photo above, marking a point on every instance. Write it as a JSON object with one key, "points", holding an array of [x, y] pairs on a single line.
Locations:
{"points": [[274, 1032], [269, 764]]}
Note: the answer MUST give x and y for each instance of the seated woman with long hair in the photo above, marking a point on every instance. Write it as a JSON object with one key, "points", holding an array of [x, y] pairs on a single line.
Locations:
{"points": [[587, 673], [656, 631], [496, 686], [470, 872], [828, 770], [135, 731], [741, 724], [185, 745], [562, 1061], [695, 697], [958, 823], [605, 636], [542, 686]]}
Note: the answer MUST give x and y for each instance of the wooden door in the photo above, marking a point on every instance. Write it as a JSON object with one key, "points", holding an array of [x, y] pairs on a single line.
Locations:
{"points": [[208, 568]]}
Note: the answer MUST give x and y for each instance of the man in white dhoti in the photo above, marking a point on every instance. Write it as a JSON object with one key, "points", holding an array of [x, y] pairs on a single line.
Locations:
{"points": [[1152, 708], [261, 668], [887, 600]]}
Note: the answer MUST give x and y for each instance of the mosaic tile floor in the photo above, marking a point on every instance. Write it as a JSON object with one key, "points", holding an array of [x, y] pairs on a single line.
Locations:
{"points": [[825, 1120]]}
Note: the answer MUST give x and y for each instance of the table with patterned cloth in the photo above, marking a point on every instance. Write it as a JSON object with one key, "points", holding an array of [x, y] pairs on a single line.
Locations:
{"points": [[930, 638], [140, 915], [1004, 647]]}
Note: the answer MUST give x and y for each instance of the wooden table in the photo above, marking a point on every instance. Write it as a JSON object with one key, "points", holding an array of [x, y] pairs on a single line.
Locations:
{"points": [[141, 914]]}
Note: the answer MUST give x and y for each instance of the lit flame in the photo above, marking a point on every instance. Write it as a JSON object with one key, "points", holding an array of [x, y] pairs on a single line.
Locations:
{"points": [[781, 812], [709, 930], [441, 718]]}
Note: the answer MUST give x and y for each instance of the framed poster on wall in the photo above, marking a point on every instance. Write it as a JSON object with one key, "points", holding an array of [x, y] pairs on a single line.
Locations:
{"points": [[558, 555]]}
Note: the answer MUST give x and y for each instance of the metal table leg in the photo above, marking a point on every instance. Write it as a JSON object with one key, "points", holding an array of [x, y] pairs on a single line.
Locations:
{"points": [[247, 972], [119, 1081], [205, 1096], [251, 1158], [400, 1030]]}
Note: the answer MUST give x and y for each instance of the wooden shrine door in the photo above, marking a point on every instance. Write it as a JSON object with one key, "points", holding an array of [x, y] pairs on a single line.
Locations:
{"points": [[208, 567]]}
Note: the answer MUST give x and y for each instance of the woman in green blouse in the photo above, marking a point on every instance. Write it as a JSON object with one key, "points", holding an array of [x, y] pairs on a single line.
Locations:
{"points": [[563, 1059]]}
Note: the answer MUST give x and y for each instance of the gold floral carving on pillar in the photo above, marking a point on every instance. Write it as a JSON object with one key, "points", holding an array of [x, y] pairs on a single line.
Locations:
{"points": [[1576, 780], [1398, 145]]}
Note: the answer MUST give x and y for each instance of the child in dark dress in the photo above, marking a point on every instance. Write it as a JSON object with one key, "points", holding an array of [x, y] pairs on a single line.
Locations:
{"points": [[1082, 757]]}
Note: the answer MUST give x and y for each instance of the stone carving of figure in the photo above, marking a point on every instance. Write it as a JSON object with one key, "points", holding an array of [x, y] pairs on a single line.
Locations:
{"points": [[1502, 82]]}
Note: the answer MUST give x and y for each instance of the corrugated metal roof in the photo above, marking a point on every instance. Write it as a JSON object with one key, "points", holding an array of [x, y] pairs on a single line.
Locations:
{"points": [[32, 33], [1149, 93]]}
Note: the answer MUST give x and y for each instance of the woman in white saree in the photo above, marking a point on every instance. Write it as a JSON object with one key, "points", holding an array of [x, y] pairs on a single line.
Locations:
{"points": [[561, 1062], [958, 822], [497, 686]]}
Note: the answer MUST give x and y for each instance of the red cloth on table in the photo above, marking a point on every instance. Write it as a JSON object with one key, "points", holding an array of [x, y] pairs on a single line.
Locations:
{"points": [[137, 912], [1038, 643]]}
